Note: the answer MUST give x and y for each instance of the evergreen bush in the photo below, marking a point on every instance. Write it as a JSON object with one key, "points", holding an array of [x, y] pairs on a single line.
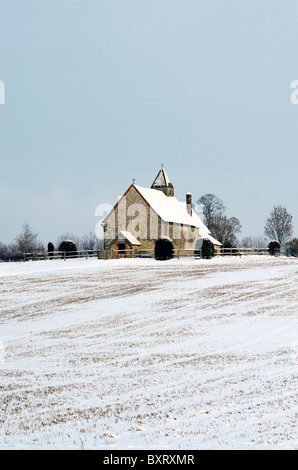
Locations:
{"points": [[207, 249], [51, 249], [292, 248], [164, 249], [68, 246], [274, 248]]}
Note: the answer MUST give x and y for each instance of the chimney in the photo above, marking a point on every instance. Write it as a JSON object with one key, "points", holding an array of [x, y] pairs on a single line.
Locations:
{"points": [[188, 203]]}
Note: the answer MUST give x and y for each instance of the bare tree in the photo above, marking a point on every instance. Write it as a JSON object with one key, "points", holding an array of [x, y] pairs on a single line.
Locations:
{"points": [[279, 225], [90, 242], [4, 252], [26, 241], [254, 242], [236, 224], [9, 252], [223, 229], [212, 207]]}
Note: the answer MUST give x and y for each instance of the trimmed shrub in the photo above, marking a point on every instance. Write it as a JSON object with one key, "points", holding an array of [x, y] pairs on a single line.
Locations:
{"points": [[164, 249], [68, 246], [51, 249], [207, 249], [274, 248]]}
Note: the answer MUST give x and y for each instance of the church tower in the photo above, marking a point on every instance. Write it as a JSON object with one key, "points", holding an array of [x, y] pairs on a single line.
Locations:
{"points": [[162, 183]]}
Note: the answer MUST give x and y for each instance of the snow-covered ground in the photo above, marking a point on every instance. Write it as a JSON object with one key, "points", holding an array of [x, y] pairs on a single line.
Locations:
{"points": [[141, 354]]}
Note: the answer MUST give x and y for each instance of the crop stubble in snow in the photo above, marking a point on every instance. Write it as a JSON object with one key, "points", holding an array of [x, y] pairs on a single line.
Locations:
{"points": [[139, 353]]}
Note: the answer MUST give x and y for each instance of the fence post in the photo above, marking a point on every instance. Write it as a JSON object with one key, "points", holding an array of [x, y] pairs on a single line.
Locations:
{"points": [[64, 255], [86, 254]]}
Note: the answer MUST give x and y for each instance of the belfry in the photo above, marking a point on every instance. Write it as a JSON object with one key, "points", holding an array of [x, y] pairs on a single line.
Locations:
{"points": [[163, 183]]}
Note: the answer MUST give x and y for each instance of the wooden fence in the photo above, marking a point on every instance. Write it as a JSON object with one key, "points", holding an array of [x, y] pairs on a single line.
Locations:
{"points": [[241, 251], [182, 253], [130, 253], [46, 255]]}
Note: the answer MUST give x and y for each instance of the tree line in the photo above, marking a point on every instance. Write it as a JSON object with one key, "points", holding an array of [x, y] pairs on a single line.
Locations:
{"points": [[27, 242], [278, 227]]}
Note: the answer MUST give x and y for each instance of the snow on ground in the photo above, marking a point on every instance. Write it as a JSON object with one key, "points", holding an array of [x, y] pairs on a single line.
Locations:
{"points": [[141, 354]]}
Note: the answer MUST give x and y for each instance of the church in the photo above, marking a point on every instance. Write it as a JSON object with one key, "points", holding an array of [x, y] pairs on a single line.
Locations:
{"points": [[142, 215]]}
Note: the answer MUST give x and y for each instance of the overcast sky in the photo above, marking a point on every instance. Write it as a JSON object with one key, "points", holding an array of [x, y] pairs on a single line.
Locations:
{"points": [[98, 92]]}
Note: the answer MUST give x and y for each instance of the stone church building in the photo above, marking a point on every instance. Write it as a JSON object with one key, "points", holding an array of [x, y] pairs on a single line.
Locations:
{"points": [[144, 214]]}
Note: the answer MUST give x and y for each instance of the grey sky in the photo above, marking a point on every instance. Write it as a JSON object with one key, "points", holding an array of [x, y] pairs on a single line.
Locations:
{"points": [[100, 92]]}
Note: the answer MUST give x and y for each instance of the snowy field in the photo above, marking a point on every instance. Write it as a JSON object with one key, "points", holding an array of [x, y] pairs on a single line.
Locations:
{"points": [[140, 354]]}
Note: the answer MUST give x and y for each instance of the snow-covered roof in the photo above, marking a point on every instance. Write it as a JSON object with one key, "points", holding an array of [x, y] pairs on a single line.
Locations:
{"points": [[124, 235], [171, 210]]}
